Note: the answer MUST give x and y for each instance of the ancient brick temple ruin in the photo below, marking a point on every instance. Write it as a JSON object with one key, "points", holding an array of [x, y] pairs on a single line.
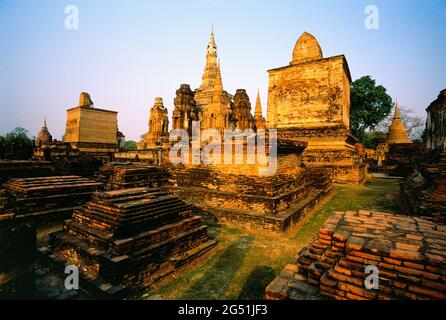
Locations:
{"points": [[24, 169], [397, 132], [91, 129], [27, 205], [158, 133], [242, 118], [186, 109], [408, 253], [423, 192], [126, 240], [436, 123], [211, 104], [309, 100], [407, 250], [129, 225], [211, 96], [259, 120], [239, 196], [44, 136], [397, 154], [137, 233], [237, 193]]}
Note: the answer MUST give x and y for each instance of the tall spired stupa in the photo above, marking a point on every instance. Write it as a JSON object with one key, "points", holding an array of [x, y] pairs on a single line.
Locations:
{"points": [[397, 132], [258, 117], [211, 99]]}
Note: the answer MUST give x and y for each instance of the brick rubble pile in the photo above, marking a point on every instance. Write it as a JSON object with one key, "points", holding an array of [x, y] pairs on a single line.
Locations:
{"points": [[409, 252]]}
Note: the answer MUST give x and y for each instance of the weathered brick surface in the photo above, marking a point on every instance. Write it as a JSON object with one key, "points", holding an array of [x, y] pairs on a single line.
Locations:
{"points": [[272, 203], [423, 192], [48, 199], [158, 125], [436, 123], [131, 238], [309, 100], [410, 254], [397, 133], [116, 176]]}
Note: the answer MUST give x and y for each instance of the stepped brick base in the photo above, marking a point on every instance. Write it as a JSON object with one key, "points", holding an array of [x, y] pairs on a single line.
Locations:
{"points": [[48, 199], [117, 176], [24, 169], [272, 203], [131, 239], [345, 165], [330, 147]]}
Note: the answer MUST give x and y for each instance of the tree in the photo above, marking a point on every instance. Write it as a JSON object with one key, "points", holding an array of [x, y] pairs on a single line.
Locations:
{"points": [[414, 124], [370, 104], [372, 139], [16, 145], [130, 145]]}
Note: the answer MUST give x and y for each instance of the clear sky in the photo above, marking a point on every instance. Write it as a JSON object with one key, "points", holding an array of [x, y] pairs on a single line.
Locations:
{"points": [[125, 53]]}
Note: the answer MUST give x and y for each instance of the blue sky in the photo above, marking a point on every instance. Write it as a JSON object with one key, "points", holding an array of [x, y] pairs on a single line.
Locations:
{"points": [[127, 52]]}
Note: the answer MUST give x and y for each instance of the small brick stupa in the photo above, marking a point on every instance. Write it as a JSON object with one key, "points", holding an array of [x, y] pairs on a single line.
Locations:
{"points": [[158, 133], [44, 135], [397, 132]]}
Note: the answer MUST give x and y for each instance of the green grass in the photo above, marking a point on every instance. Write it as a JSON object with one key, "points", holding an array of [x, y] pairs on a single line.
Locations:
{"points": [[245, 263]]}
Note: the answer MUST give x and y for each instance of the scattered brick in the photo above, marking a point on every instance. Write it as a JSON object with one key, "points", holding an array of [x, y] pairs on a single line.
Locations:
{"points": [[408, 252]]}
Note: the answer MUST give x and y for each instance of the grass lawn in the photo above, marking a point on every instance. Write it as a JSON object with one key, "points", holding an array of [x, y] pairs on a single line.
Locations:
{"points": [[244, 264]]}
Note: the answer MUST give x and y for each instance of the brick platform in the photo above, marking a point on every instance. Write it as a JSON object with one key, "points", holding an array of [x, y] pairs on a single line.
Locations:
{"points": [[48, 199], [116, 176], [271, 204], [130, 239], [410, 254]]}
